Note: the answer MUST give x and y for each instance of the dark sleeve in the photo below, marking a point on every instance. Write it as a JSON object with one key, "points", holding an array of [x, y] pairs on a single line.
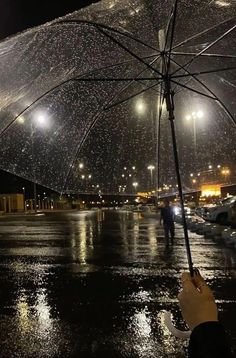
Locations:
{"points": [[161, 214], [208, 340]]}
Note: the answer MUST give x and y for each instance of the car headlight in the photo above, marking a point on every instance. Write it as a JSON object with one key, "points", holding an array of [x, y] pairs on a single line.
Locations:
{"points": [[176, 210]]}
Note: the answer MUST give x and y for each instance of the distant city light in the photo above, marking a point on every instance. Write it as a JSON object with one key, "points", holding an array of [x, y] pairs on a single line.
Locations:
{"points": [[81, 165], [210, 167]]}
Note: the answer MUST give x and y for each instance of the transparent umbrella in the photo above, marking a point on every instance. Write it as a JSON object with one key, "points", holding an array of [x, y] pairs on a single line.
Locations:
{"points": [[68, 82]]}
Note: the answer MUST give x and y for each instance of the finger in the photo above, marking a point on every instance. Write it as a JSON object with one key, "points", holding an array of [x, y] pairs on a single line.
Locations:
{"points": [[198, 279], [201, 284], [187, 282], [185, 277], [180, 296]]}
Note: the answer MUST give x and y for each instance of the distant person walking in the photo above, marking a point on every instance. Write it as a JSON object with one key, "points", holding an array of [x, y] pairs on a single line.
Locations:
{"points": [[167, 217]]}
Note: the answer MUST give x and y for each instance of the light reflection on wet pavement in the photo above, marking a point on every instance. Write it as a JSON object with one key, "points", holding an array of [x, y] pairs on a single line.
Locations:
{"points": [[93, 284]]}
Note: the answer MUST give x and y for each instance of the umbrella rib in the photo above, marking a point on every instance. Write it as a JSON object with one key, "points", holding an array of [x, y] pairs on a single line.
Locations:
{"points": [[172, 35], [117, 79], [201, 33], [134, 80], [61, 84], [202, 55], [131, 97], [206, 72], [193, 90], [217, 99], [98, 25], [208, 47], [168, 27], [129, 51]]}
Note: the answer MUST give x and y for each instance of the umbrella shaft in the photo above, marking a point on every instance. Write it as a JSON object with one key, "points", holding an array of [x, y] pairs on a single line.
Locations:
{"points": [[170, 108]]}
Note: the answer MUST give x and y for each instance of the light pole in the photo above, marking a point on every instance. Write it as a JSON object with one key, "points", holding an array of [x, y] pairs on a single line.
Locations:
{"points": [[225, 172], [151, 168], [24, 198], [135, 185], [193, 117]]}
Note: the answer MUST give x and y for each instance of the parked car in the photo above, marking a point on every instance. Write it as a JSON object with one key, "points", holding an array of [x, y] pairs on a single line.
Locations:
{"points": [[203, 211], [221, 212]]}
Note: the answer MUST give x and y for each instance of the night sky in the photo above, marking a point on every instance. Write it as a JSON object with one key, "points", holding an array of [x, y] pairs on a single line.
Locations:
{"points": [[19, 15]]}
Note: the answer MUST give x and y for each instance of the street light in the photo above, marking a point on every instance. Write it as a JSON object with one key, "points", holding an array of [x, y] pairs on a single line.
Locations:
{"points": [[151, 168], [140, 107], [225, 172], [81, 165], [192, 117], [135, 184], [24, 198]]}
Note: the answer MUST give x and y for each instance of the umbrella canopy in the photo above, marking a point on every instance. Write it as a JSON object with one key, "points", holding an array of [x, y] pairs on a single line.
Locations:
{"points": [[69, 89]]}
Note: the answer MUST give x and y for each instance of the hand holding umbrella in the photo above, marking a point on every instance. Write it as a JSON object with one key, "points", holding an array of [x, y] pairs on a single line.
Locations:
{"points": [[196, 301]]}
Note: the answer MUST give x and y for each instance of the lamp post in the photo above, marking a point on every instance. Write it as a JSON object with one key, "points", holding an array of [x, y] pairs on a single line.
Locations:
{"points": [[24, 198], [193, 117], [135, 185], [151, 168], [225, 172]]}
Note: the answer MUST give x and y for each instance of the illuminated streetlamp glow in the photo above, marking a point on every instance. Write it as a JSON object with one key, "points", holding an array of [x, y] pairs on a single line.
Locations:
{"points": [[81, 165], [151, 168], [140, 106], [21, 119], [192, 117], [200, 114], [41, 120]]}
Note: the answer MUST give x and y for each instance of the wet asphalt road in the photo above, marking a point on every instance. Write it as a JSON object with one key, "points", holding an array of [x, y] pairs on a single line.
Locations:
{"points": [[93, 284]]}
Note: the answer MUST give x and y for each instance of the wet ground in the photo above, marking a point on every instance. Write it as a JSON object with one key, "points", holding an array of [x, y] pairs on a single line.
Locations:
{"points": [[93, 284]]}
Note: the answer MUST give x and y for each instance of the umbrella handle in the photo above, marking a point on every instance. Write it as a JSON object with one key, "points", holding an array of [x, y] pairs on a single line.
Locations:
{"points": [[176, 332]]}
